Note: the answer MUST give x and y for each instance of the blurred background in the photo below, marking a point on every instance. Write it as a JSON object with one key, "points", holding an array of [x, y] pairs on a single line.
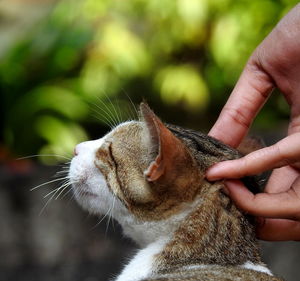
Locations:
{"points": [[71, 69]]}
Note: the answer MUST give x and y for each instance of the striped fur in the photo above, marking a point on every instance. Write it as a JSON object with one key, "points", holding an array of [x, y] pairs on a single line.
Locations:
{"points": [[187, 227]]}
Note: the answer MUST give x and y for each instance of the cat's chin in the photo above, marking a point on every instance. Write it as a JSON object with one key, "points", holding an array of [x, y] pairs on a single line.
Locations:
{"points": [[86, 199], [80, 191], [92, 193]]}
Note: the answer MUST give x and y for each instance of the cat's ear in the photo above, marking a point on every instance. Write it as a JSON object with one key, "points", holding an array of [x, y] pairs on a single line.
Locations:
{"points": [[250, 144], [168, 149]]}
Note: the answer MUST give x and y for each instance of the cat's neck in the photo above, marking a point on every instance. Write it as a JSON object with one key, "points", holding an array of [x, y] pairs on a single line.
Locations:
{"points": [[149, 232], [209, 231], [215, 232]]}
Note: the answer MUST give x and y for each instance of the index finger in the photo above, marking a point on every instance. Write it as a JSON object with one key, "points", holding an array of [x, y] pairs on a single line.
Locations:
{"points": [[282, 153], [248, 96]]}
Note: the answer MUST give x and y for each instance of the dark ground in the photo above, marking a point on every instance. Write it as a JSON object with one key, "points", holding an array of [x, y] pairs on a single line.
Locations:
{"points": [[64, 243]]}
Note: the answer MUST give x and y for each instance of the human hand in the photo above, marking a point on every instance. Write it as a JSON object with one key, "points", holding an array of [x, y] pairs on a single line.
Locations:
{"points": [[279, 207], [275, 63]]}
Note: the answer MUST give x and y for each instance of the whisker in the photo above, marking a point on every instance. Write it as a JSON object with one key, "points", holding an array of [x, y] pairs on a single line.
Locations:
{"points": [[130, 113], [113, 116], [73, 196], [119, 120], [63, 171], [55, 190], [102, 117], [58, 188], [48, 182], [63, 187], [44, 155], [48, 201], [107, 121], [107, 111], [120, 112], [66, 163], [110, 215], [64, 167], [135, 112], [101, 220], [113, 224], [105, 115], [67, 193]]}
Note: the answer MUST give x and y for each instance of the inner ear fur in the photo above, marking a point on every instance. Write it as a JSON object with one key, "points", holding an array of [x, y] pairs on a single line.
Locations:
{"points": [[173, 164], [250, 144]]}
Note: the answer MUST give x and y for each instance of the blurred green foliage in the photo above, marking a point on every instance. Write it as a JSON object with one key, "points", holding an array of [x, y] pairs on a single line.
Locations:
{"points": [[182, 56]]}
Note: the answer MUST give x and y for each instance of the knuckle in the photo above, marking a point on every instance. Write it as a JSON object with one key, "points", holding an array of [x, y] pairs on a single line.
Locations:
{"points": [[238, 116], [261, 83], [244, 166], [283, 158]]}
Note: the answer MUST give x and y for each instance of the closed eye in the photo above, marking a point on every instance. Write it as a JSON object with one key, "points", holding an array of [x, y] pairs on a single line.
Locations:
{"points": [[110, 151]]}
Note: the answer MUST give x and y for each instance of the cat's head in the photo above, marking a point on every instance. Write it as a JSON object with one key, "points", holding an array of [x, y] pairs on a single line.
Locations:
{"points": [[141, 166]]}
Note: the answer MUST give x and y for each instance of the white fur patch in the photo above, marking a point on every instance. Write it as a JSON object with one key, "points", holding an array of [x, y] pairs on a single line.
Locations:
{"points": [[143, 264], [256, 267], [147, 232], [88, 183], [151, 235], [247, 265], [196, 266]]}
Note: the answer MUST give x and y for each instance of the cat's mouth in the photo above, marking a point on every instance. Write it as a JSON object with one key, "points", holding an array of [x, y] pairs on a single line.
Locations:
{"points": [[87, 194], [77, 174], [79, 180], [82, 192]]}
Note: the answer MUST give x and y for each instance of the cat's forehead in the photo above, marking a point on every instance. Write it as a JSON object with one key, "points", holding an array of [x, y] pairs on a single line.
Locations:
{"points": [[126, 130]]}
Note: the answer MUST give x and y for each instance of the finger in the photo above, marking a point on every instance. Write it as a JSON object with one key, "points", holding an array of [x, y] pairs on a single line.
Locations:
{"points": [[283, 153], [248, 96], [281, 179], [280, 205], [278, 229]]}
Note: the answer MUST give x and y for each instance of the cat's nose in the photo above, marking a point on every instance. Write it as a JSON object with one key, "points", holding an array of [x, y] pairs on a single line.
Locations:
{"points": [[85, 147], [80, 148], [88, 147]]}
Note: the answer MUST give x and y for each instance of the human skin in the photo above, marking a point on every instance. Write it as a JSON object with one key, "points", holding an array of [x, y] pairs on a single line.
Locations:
{"points": [[274, 64]]}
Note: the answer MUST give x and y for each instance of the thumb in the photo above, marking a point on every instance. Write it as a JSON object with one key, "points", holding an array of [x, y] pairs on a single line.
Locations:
{"points": [[283, 153]]}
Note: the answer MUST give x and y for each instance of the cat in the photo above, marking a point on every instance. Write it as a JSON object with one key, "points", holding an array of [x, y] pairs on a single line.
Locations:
{"points": [[151, 177]]}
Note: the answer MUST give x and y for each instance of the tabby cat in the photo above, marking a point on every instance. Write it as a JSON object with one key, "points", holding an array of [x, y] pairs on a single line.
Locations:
{"points": [[151, 176]]}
